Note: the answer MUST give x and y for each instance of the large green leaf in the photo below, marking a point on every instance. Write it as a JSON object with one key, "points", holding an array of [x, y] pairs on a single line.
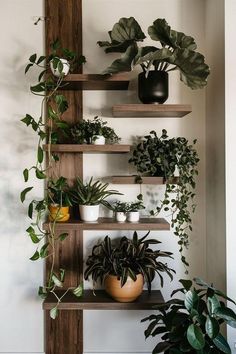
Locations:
{"points": [[212, 327], [226, 314], [161, 31], [221, 343], [123, 34], [192, 67], [124, 63], [147, 54], [191, 299], [195, 337]]}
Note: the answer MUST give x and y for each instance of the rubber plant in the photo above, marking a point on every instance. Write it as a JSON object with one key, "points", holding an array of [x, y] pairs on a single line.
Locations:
{"points": [[53, 105], [192, 324], [162, 156], [176, 51]]}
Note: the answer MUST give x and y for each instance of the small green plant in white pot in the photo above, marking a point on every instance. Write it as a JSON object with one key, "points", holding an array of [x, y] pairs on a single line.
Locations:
{"points": [[89, 196], [120, 210], [133, 214]]}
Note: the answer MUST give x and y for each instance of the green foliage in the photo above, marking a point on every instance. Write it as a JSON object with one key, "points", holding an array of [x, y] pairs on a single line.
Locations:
{"points": [[161, 156], [175, 51], [91, 193], [86, 131], [119, 206], [59, 192], [192, 325], [129, 257]]}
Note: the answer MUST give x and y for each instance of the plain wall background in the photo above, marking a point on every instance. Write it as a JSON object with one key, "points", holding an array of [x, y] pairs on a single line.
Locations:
{"points": [[22, 330]]}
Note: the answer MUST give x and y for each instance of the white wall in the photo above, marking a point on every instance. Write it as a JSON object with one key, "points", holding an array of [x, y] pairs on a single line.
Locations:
{"points": [[21, 328], [230, 128], [123, 331]]}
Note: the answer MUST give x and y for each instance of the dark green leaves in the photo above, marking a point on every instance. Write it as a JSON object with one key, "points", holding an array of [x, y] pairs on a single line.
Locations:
{"points": [[40, 154], [26, 174], [124, 63], [62, 103], [35, 256], [195, 337], [191, 299], [24, 192], [212, 327], [221, 343], [226, 314]]}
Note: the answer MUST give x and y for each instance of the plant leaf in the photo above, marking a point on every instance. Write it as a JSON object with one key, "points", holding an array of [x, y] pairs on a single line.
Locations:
{"points": [[78, 291], [212, 327], [191, 298], [124, 63], [195, 337], [26, 174], [24, 192], [35, 256], [54, 312], [226, 314], [40, 154], [221, 343]]}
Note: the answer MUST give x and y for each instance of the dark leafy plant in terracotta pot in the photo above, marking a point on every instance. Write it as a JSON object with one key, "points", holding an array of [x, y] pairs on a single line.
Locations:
{"points": [[192, 324], [125, 266], [176, 51], [163, 156]]}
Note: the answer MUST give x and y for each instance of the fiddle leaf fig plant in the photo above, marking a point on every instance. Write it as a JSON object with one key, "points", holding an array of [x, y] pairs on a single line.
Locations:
{"points": [[162, 156], [192, 324], [175, 51]]}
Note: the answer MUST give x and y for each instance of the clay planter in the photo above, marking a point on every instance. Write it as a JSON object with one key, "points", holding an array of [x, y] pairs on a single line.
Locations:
{"points": [[60, 214], [128, 293]]}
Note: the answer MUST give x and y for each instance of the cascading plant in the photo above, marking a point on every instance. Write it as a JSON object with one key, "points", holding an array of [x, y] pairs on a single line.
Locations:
{"points": [[162, 156]]}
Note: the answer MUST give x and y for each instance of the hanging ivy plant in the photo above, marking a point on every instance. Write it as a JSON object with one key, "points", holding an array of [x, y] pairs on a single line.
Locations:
{"points": [[161, 156], [53, 106]]}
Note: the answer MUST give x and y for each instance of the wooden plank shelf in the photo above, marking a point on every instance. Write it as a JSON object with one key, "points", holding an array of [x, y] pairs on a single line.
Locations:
{"points": [[151, 110], [96, 82], [102, 301], [89, 148], [145, 180], [112, 224]]}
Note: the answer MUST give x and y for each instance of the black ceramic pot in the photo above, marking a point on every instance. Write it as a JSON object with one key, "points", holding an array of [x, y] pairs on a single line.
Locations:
{"points": [[154, 88]]}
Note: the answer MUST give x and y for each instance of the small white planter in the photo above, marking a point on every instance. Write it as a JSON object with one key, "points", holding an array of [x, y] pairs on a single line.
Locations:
{"points": [[89, 212], [120, 216], [65, 70], [133, 216], [99, 140]]}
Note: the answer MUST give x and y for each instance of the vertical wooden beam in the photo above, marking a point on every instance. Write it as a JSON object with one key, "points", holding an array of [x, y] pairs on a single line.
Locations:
{"points": [[65, 334]]}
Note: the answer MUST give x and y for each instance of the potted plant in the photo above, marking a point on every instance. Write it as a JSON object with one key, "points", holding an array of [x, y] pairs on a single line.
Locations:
{"points": [[120, 210], [59, 199], [124, 267], [163, 156], [176, 51], [93, 132], [89, 196], [193, 324], [133, 210]]}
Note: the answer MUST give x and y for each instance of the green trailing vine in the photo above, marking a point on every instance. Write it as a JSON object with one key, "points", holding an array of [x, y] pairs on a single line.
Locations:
{"points": [[161, 156], [53, 106]]}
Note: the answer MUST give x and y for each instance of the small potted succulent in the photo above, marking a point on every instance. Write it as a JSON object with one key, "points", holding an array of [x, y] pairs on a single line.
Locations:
{"points": [[163, 157], [58, 194], [93, 132], [120, 210], [133, 210], [176, 51], [89, 196], [193, 324], [125, 266]]}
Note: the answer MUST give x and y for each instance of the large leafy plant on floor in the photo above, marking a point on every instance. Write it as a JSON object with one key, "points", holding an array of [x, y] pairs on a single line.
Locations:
{"points": [[162, 156], [193, 324], [50, 117], [176, 51]]}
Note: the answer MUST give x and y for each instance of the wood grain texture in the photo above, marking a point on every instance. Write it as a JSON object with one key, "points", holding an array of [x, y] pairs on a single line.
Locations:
{"points": [[96, 82], [102, 301], [112, 224], [89, 149], [65, 334], [151, 110]]}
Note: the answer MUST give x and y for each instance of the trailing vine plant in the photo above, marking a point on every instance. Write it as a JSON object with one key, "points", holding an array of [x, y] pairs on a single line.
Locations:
{"points": [[46, 125], [163, 157]]}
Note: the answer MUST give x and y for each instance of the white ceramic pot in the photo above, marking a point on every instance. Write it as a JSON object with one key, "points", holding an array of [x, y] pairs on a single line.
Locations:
{"points": [[133, 216], [120, 216], [99, 140], [65, 70], [89, 212]]}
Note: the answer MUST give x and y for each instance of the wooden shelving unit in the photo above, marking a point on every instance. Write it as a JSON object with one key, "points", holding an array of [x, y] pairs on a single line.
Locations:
{"points": [[112, 224], [102, 301], [145, 180], [96, 82], [89, 149], [151, 110]]}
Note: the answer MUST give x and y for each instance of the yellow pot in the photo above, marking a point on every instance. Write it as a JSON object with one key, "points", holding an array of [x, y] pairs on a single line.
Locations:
{"points": [[60, 214], [128, 293]]}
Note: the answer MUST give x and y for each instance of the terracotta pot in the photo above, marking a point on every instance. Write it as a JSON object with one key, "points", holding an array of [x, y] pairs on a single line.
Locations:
{"points": [[60, 214], [128, 293]]}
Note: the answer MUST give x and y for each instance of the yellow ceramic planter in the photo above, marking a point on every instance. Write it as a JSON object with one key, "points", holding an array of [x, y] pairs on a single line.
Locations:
{"points": [[60, 214], [128, 293]]}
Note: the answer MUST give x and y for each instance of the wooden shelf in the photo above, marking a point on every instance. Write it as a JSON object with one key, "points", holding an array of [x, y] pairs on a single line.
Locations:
{"points": [[96, 82], [145, 180], [112, 224], [151, 110], [90, 149], [102, 301]]}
